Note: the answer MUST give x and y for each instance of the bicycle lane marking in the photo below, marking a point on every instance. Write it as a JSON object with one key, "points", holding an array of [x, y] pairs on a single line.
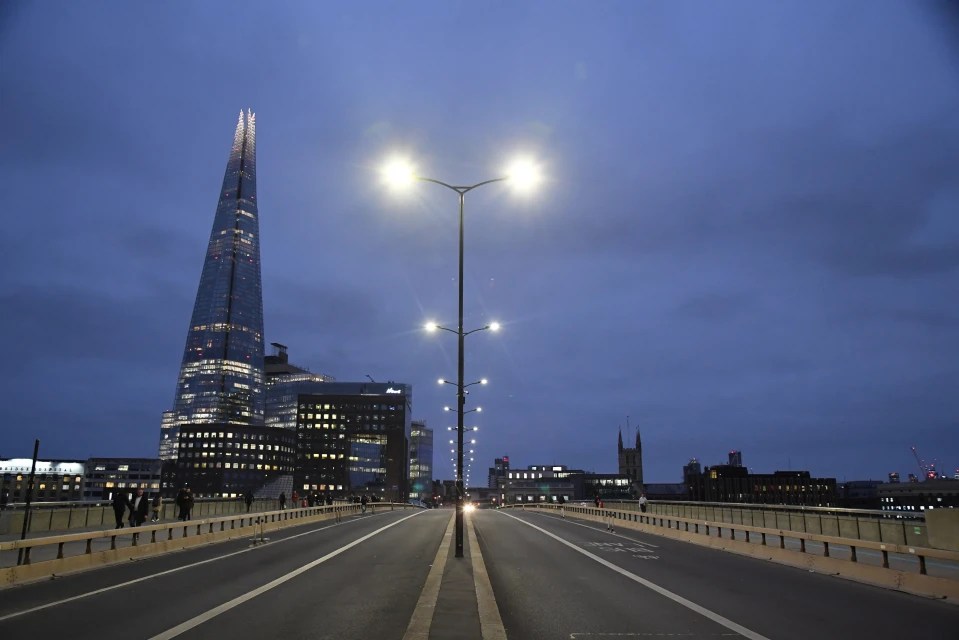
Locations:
{"points": [[689, 604]]}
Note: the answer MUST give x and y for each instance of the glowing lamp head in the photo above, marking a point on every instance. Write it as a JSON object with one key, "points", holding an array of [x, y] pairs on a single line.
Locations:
{"points": [[398, 173], [524, 175], [431, 326], [494, 326]]}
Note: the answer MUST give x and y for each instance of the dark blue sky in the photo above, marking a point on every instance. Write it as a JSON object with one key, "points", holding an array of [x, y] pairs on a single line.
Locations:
{"points": [[749, 238]]}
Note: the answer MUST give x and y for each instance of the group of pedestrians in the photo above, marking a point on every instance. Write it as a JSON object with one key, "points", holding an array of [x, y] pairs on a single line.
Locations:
{"points": [[312, 499], [138, 505]]}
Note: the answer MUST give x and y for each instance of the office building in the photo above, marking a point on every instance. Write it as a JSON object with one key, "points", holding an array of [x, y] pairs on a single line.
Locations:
{"points": [[354, 438], [497, 473], [221, 373], [725, 483], [284, 383], [53, 480], [421, 461], [104, 477]]}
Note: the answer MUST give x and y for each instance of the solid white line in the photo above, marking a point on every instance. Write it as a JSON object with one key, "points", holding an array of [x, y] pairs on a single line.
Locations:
{"points": [[689, 604], [235, 602], [491, 623], [161, 573]]}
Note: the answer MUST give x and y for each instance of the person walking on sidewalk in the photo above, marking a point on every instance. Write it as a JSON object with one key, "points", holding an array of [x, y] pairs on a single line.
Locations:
{"points": [[157, 505], [120, 504]]}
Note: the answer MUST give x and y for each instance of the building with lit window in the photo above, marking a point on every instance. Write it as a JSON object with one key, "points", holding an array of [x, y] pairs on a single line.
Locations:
{"points": [[221, 373], [918, 496], [725, 483], [354, 438], [229, 460], [104, 477], [53, 480], [497, 473], [421, 461], [284, 383]]}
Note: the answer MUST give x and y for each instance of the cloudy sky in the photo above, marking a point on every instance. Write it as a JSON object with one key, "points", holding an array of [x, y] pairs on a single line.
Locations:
{"points": [[748, 238]]}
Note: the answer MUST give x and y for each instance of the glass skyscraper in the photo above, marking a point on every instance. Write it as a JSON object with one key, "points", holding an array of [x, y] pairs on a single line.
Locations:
{"points": [[221, 375]]}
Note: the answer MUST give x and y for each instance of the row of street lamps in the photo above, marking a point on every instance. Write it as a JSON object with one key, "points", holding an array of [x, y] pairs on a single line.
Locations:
{"points": [[523, 175]]}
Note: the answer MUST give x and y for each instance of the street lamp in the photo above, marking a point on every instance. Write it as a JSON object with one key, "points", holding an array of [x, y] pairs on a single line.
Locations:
{"points": [[523, 175]]}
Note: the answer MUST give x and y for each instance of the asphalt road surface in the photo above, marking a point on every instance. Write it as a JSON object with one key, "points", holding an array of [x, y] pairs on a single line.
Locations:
{"points": [[369, 577]]}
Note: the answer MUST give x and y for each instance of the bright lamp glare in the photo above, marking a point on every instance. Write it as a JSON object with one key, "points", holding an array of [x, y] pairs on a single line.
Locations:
{"points": [[431, 326], [524, 175], [494, 326], [398, 173]]}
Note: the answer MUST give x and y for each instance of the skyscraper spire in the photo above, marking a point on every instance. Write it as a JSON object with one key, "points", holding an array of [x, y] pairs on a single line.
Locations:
{"points": [[221, 374]]}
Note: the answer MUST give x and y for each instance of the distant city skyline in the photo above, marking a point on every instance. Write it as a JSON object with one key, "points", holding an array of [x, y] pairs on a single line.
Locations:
{"points": [[746, 240]]}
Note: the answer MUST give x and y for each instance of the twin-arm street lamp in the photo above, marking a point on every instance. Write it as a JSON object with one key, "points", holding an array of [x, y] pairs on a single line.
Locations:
{"points": [[524, 175]]}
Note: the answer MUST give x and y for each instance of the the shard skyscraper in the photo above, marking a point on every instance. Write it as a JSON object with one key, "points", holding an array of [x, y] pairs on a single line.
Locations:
{"points": [[221, 376]]}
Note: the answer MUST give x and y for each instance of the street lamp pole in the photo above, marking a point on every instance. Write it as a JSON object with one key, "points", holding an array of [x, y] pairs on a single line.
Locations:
{"points": [[461, 361], [401, 172]]}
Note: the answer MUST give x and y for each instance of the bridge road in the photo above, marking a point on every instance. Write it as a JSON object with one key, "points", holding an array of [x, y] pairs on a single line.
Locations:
{"points": [[295, 587], [573, 579], [365, 578]]}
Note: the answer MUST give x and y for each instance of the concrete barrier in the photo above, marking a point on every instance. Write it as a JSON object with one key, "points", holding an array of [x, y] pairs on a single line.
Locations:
{"points": [[157, 539], [943, 529]]}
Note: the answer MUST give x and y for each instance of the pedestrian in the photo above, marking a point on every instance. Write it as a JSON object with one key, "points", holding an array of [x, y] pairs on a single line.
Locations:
{"points": [[157, 505], [189, 503], [329, 499], [248, 497], [139, 507], [184, 502], [295, 499], [4, 499], [120, 504], [310, 499], [363, 502], [642, 502], [282, 500], [562, 506], [596, 500]]}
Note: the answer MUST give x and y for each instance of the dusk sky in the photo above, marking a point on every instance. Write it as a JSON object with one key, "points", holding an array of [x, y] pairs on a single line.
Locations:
{"points": [[748, 237]]}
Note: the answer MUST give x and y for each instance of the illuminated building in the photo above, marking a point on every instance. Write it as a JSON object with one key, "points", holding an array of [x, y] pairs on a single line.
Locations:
{"points": [[354, 438], [221, 374], [421, 461]]}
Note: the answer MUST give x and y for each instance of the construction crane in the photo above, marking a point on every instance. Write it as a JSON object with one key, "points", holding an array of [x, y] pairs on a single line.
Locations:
{"points": [[928, 470]]}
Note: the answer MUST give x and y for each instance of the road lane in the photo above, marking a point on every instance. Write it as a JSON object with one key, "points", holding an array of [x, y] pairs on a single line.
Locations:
{"points": [[769, 599], [173, 598]]}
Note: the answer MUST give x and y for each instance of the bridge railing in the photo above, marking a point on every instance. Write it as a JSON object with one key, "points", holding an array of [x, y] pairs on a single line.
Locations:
{"points": [[63, 516], [903, 528], [33, 558]]}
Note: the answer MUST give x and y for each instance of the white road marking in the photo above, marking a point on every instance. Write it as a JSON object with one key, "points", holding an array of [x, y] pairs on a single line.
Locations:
{"points": [[422, 618], [611, 533], [689, 604], [235, 602], [161, 573], [491, 623]]}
